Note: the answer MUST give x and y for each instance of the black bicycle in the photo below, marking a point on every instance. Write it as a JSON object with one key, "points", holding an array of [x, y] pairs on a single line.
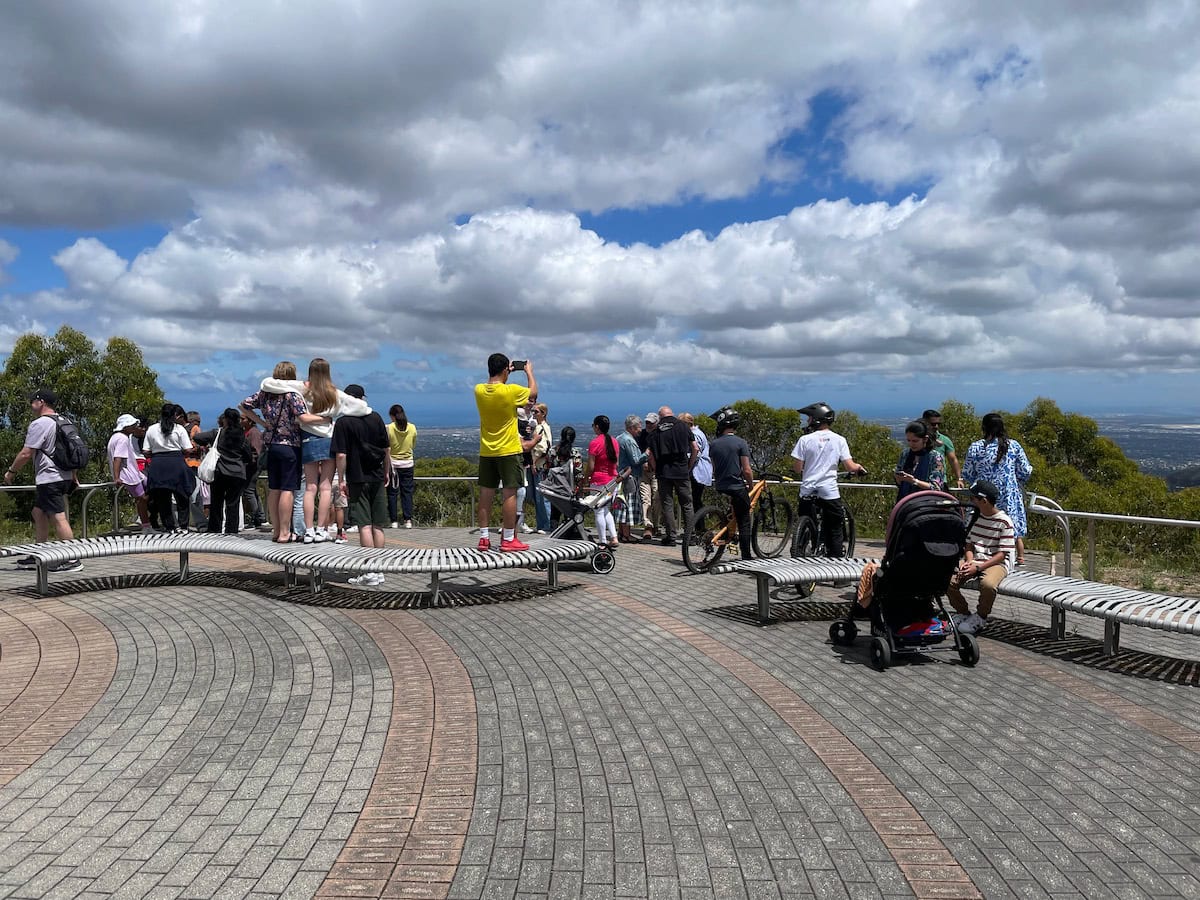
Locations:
{"points": [[807, 541], [770, 529]]}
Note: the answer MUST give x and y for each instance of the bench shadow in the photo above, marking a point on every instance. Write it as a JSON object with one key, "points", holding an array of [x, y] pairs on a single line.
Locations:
{"points": [[454, 592]]}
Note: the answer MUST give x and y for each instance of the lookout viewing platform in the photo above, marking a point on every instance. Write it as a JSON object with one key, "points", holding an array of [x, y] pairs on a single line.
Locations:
{"points": [[634, 734]]}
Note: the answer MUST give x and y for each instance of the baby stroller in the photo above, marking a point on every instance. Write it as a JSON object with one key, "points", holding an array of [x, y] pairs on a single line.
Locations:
{"points": [[558, 486], [926, 536]]}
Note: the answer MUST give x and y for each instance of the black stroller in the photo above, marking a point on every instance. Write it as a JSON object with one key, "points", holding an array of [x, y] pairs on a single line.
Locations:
{"points": [[926, 536], [558, 486]]}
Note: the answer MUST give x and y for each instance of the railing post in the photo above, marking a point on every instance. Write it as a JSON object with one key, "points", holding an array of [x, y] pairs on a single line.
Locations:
{"points": [[1091, 564]]}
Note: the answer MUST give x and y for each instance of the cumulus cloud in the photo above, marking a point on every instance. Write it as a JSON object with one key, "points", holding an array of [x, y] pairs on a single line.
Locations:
{"points": [[311, 161]]}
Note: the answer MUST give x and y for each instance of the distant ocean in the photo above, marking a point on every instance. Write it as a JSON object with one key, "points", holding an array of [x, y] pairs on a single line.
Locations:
{"points": [[1160, 447]]}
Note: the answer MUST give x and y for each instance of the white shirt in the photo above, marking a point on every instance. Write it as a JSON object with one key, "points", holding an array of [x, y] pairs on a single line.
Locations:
{"points": [[121, 447], [156, 442], [703, 471], [821, 451]]}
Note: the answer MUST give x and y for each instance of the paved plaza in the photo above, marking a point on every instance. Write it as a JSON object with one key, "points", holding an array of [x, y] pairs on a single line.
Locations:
{"points": [[625, 735]]}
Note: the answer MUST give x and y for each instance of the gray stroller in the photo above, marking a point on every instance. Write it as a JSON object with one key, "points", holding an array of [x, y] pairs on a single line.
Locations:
{"points": [[558, 486]]}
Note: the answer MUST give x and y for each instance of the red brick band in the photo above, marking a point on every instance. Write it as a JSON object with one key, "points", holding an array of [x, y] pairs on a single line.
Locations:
{"points": [[409, 838], [930, 869], [56, 662]]}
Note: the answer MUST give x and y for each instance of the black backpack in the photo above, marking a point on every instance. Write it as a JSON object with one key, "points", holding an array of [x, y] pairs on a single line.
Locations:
{"points": [[70, 453]]}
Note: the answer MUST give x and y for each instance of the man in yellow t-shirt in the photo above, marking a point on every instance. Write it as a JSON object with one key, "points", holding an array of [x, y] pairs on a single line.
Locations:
{"points": [[500, 447]]}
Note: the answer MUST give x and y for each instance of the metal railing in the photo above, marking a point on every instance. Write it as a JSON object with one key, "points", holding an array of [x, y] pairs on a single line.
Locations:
{"points": [[1042, 505], [89, 490]]}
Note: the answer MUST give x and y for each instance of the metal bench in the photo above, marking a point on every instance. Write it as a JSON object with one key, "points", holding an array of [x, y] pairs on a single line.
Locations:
{"points": [[783, 572], [1115, 605], [318, 559]]}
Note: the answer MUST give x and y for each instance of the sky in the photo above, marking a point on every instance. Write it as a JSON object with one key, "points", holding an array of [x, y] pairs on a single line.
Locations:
{"points": [[879, 205]]}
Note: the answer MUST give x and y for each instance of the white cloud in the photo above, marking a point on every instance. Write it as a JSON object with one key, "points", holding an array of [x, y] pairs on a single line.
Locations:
{"points": [[310, 159]]}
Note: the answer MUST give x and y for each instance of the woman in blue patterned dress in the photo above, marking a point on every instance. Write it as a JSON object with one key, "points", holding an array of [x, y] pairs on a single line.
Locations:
{"points": [[1002, 461]]}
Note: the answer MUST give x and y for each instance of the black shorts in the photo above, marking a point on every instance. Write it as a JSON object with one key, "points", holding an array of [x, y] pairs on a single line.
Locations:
{"points": [[283, 467], [51, 498]]}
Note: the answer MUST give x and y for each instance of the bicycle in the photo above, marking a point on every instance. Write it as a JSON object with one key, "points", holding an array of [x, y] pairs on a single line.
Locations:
{"points": [[807, 540], [770, 529]]}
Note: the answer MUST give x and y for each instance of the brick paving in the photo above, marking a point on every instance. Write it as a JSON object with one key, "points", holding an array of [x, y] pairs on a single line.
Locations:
{"points": [[631, 735]]}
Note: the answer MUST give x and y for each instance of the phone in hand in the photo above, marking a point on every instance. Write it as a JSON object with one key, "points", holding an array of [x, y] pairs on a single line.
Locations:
{"points": [[518, 365]]}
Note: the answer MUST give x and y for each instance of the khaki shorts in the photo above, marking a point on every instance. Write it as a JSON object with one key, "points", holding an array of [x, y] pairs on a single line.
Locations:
{"points": [[497, 470], [368, 504]]}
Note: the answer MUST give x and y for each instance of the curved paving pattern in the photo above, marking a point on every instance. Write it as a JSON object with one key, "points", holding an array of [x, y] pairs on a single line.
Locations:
{"points": [[409, 838], [55, 663], [232, 753]]}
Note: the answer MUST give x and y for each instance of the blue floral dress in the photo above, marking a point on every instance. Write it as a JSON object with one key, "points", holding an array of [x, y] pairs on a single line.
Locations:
{"points": [[1009, 476]]}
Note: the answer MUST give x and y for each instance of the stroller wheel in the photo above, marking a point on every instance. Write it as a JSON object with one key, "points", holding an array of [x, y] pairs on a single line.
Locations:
{"points": [[603, 562], [968, 649], [881, 653], [843, 632]]}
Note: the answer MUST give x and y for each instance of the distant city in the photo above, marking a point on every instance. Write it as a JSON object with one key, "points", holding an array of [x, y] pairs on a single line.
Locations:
{"points": [[1160, 447]]}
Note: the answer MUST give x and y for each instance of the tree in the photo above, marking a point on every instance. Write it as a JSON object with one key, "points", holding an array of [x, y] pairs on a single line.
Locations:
{"points": [[93, 387], [771, 433]]}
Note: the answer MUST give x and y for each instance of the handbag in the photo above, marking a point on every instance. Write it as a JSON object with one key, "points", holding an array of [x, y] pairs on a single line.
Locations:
{"points": [[208, 466]]}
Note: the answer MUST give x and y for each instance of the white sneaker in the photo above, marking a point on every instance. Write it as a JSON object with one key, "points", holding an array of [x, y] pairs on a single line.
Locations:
{"points": [[408, 523], [351, 529], [341, 538], [394, 525], [966, 625], [309, 536], [377, 579], [958, 619], [320, 536], [978, 623], [525, 529]]}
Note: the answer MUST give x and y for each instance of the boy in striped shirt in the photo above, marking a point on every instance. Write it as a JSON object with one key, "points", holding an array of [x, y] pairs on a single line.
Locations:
{"points": [[991, 543]]}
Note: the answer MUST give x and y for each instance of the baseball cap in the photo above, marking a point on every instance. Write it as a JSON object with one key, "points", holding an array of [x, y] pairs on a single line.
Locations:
{"points": [[124, 421], [984, 489], [650, 418], [356, 391], [46, 395]]}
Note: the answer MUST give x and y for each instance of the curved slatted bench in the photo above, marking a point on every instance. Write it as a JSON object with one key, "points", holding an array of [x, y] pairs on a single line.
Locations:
{"points": [[318, 559], [786, 571], [1115, 605]]}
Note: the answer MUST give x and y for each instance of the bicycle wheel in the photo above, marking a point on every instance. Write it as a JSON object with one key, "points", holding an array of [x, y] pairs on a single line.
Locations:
{"points": [[806, 544], [702, 551], [772, 526]]}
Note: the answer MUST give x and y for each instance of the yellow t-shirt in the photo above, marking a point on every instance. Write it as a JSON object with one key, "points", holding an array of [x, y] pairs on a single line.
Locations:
{"points": [[498, 404], [401, 442]]}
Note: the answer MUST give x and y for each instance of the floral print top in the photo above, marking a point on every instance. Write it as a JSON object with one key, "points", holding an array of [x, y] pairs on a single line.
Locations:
{"points": [[281, 412]]}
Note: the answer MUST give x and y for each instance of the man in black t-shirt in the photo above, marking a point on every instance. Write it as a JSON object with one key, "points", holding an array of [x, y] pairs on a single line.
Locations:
{"points": [[732, 475], [360, 447], [673, 452]]}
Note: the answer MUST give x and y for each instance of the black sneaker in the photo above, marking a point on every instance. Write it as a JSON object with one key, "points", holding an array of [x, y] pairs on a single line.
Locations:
{"points": [[668, 542], [67, 565], [26, 562]]}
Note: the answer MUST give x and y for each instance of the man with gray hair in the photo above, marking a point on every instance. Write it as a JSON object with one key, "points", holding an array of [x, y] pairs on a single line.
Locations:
{"points": [[649, 484], [673, 451], [632, 457]]}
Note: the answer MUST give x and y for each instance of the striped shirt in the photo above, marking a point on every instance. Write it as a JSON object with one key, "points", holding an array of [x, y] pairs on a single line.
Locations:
{"points": [[991, 535]]}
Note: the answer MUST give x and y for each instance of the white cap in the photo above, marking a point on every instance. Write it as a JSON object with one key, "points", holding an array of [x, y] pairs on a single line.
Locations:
{"points": [[125, 421]]}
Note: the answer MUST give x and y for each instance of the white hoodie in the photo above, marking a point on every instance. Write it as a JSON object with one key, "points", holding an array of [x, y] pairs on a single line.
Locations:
{"points": [[346, 405]]}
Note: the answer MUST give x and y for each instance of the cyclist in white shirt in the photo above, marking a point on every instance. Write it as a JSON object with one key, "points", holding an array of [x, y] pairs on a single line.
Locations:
{"points": [[816, 458]]}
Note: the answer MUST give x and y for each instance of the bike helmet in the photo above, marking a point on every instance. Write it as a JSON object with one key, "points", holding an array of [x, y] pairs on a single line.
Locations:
{"points": [[818, 413], [726, 417]]}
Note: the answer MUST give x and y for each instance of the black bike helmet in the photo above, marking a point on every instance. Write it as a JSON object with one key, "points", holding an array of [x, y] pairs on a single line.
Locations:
{"points": [[726, 417], [819, 413]]}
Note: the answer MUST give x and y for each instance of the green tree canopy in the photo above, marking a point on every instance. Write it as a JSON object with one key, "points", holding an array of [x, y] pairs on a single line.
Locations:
{"points": [[94, 387]]}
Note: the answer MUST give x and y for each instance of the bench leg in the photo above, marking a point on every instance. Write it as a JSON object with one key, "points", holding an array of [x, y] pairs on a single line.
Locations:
{"points": [[183, 566], [289, 576], [1058, 623], [764, 600], [434, 589], [43, 580], [315, 581], [1112, 637], [552, 574]]}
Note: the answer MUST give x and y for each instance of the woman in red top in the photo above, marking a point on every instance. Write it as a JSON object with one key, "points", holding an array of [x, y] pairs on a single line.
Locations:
{"points": [[601, 468]]}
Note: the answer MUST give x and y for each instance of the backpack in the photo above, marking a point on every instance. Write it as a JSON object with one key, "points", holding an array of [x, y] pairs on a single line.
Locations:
{"points": [[70, 453]]}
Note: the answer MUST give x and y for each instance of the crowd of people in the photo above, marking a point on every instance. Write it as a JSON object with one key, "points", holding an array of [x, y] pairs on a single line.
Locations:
{"points": [[332, 465]]}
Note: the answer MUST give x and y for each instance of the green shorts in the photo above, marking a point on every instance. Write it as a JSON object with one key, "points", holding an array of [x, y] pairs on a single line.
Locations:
{"points": [[501, 470], [368, 504]]}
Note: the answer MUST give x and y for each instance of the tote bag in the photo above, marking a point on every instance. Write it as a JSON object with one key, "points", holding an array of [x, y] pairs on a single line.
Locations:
{"points": [[208, 466]]}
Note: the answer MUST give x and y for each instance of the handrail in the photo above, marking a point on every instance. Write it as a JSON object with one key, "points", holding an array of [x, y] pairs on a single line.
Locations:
{"points": [[88, 489]]}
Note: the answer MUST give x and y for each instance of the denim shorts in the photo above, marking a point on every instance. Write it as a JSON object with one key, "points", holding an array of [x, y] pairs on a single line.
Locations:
{"points": [[314, 449]]}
